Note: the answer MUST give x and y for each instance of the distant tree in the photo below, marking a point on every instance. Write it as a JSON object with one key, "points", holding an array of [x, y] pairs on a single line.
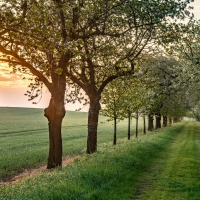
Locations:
{"points": [[186, 45], [170, 88], [84, 43], [193, 101], [136, 100], [127, 98], [188, 51], [113, 102]]}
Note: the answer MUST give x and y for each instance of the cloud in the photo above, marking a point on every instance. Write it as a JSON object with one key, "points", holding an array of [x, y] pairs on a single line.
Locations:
{"points": [[4, 70], [12, 80], [8, 78]]}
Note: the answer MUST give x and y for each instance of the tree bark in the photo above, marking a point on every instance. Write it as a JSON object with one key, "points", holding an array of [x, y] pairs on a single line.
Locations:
{"points": [[158, 121], [136, 131], [129, 125], [144, 125], [175, 120], [93, 116], [115, 131], [55, 113], [170, 121], [164, 121], [150, 122]]}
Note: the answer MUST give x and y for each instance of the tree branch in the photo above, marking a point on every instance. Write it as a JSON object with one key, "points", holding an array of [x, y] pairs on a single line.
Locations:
{"points": [[62, 19], [23, 63]]}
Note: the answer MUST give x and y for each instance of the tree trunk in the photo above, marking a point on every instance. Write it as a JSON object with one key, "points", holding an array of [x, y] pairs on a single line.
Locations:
{"points": [[93, 116], [150, 122], [170, 121], [164, 121], [115, 131], [144, 125], [129, 125], [55, 114], [136, 131], [175, 120], [158, 121]]}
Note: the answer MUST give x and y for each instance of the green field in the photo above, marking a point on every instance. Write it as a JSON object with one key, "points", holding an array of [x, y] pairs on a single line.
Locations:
{"points": [[24, 137], [161, 165]]}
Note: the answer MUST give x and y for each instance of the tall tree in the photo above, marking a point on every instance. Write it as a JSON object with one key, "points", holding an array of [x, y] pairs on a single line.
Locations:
{"points": [[88, 43]]}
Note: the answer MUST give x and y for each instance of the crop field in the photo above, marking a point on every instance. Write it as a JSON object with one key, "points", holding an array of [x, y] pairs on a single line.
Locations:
{"points": [[160, 165], [163, 164], [24, 137]]}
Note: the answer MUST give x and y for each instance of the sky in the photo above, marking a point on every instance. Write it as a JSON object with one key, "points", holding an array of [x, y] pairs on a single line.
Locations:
{"points": [[13, 88]]}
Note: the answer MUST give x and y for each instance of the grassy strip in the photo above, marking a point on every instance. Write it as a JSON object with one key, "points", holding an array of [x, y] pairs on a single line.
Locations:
{"points": [[24, 137], [178, 176], [111, 173]]}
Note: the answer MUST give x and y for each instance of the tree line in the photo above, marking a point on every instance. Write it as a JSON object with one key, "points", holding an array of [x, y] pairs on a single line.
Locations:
{"points": [[104, 48]]}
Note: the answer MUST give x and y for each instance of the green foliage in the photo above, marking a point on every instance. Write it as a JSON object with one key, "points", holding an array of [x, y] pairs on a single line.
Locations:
{"points": [[186, 50], [169, 96], [113, 99], [92, 42]]}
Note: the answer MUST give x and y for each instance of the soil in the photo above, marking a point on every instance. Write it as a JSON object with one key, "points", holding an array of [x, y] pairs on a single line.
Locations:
{"points": [[29, 173]]}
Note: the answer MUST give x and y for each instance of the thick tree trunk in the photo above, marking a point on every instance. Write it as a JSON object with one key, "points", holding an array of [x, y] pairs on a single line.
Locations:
{"points": [[158, 121], [115, 131], [144, 125], [55, 113], [164, 121], [150, 122], [129, 126], [93, 116]]}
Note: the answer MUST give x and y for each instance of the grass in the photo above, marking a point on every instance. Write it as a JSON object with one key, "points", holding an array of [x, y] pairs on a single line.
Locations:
{"points": [[178, 174], [112, 173], [24, 137], [162, 165]]}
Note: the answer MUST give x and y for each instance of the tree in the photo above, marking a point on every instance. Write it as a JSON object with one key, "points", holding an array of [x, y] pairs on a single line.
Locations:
{"points": [[136, 98], [112, 101], [128, 97], [170, 90], [193, 101], [84, 43]]}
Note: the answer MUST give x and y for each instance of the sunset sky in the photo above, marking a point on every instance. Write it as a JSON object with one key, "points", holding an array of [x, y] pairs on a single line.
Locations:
{"points": [[12, 87]]}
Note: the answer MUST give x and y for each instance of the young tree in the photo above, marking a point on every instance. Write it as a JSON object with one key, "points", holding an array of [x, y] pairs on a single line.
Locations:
{"points": [[86, 43], [136, 99], [112, 101]]}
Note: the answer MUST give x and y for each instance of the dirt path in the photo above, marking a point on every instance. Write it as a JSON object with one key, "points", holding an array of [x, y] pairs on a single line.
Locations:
{"points": [[29, 173], [175, 173]]}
